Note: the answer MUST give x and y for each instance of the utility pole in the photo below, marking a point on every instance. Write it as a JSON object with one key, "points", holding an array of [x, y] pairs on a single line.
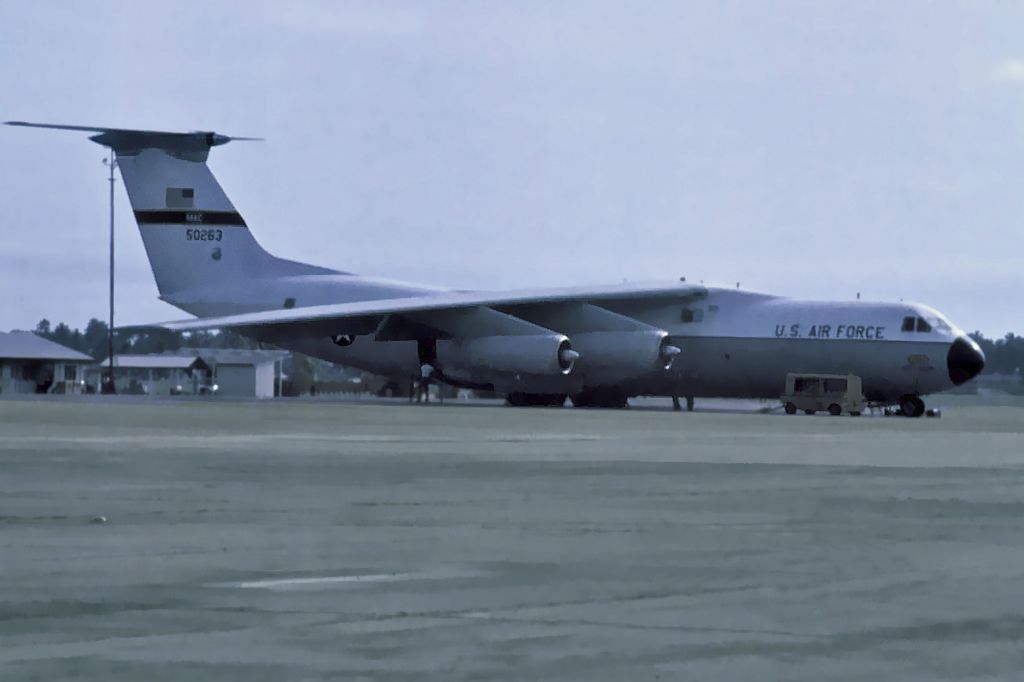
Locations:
{"points": [[108, 383]]}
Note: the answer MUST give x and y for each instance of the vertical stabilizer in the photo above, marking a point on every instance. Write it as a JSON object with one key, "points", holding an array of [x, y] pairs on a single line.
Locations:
{"points": [[194, 236]]}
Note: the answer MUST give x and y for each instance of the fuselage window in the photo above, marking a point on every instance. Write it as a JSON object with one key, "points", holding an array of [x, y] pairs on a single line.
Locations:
{"points": [[690, 315], [922, 325], [908, 324]]}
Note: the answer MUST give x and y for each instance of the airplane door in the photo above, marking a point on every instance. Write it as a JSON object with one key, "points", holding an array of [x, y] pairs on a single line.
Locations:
{"points": [[918, 366]]}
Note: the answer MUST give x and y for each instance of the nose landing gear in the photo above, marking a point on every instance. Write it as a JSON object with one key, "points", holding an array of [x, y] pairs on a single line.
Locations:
{"points": [[911, 406]]}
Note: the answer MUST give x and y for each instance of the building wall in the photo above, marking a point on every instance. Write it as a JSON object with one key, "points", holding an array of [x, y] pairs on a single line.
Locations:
{"points": [[11, 380], [18, 376], [265, 380], [245, 380], [67, 378], [236, 380]]}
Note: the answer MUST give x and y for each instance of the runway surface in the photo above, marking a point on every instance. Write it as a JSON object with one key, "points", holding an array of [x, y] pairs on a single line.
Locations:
{"points": [[311, 540]]}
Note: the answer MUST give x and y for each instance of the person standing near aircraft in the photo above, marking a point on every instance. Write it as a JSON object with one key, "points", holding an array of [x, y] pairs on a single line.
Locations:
{"points": [[423, 385]]}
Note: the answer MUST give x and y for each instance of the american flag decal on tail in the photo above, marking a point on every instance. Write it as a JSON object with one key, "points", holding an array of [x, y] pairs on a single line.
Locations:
{"points": [[180, 197]]}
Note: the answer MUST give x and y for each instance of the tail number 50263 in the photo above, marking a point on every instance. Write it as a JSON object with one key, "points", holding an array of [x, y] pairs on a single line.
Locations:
{"points": [[200, 235]]}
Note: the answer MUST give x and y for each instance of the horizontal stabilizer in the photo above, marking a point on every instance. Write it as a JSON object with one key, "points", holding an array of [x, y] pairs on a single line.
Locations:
{"points": [[126, 141]]}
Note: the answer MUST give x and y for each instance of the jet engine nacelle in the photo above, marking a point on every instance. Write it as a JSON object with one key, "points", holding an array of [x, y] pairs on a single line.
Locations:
{"points": [[628, 353], [531, 354]]}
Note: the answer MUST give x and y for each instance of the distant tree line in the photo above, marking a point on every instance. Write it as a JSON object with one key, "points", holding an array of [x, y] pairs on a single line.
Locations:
{"points": [[93, 340], [1003, 356]]}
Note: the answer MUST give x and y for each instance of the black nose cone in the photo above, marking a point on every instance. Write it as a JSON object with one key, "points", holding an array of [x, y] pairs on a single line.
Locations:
{"points": [[964, 360]]}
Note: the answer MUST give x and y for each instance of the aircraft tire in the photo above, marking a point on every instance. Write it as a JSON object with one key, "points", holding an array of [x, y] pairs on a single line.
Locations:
{"points": [[518, 399], [835, 410], [583, 399], [790, 408], [609, 398], [911, 406]]}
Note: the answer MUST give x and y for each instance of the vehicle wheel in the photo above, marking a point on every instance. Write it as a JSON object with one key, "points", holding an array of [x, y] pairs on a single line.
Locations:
{"points": [[790, 408], [835, 410], [809, 411], [911, 406]]}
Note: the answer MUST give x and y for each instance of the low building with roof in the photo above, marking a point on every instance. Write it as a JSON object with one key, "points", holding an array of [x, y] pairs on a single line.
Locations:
{"points": [[197, 371], [156, 374], [31, 364]]}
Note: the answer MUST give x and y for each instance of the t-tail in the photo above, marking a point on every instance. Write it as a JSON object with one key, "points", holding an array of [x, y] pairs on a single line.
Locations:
{"points": [[194, 236]]}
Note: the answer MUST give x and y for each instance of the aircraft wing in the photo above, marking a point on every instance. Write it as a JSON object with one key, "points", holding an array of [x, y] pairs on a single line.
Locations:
{"points": [[460, 314]]}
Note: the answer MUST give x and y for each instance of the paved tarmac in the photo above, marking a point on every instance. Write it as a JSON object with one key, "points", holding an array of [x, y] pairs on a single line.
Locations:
{"points": [[313, 540]]}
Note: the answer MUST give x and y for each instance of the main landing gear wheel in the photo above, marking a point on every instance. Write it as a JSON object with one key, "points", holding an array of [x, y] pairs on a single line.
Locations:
{"points": [[911, 406], [790, 408], [535, 399], [601, 397], [676, 407]]}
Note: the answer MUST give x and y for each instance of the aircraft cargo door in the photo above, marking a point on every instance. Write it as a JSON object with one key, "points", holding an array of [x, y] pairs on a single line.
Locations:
{"points": [[236, 380]]}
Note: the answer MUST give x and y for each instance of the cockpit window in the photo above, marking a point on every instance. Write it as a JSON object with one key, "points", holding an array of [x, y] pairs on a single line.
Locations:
{"points": [[920, 324]]}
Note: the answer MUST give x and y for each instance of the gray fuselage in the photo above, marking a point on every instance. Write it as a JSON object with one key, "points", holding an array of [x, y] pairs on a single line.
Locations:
{"points": [[734, 343]]}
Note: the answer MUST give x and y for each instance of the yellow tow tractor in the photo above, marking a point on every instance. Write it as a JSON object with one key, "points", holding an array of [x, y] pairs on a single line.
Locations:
{"points": [[836, 393]]}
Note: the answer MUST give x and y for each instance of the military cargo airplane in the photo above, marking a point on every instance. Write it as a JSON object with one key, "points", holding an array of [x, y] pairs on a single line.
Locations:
{"points": [[597, 345]]}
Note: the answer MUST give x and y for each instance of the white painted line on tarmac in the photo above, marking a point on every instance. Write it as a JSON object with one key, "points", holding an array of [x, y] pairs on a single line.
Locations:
{"points": [[315, 581], [180, 441]]}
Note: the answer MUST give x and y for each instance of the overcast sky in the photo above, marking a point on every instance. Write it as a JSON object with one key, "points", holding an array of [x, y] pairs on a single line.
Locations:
{"points": [[811, 149]]}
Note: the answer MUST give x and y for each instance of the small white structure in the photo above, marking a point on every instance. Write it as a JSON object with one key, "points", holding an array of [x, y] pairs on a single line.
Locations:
{"points": [[244, 373], [32, 364]]}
